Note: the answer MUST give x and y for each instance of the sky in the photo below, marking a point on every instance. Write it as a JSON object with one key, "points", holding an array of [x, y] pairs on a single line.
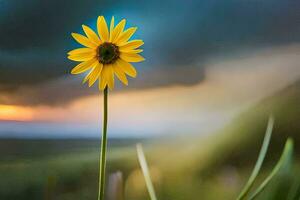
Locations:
{"points": [[206, 61]]}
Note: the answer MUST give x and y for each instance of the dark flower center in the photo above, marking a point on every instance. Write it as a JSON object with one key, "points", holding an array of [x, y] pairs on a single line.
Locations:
{"points": [[108, 53]]}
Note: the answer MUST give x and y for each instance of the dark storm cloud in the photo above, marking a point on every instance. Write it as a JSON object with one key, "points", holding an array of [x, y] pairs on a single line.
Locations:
{"points": [[60, 91], [35, 36], [41, 24]]}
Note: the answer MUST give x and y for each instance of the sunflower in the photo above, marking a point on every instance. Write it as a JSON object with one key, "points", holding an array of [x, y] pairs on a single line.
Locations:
{"points": [[107, 53]]}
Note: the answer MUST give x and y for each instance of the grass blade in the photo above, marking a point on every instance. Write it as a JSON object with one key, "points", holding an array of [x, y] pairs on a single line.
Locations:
{"points": [[259, 161], [292, 195], [284, 159], [145, 170]]}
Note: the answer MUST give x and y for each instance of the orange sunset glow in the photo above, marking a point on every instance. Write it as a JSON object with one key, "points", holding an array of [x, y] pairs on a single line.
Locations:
{"points": [[16, 113]]}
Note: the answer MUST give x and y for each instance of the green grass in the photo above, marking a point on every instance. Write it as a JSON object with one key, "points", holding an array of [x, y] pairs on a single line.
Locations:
{"points": [[68, 174]]}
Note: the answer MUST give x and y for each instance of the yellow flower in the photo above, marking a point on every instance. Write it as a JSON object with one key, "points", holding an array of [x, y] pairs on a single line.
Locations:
{"points": [[107, 53]]}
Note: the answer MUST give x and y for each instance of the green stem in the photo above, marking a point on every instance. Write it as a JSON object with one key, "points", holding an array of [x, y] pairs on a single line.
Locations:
{"points": [[103, 149]]}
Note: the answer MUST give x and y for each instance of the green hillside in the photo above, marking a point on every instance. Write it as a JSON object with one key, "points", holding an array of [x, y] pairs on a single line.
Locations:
{"points": [[243, 137]]}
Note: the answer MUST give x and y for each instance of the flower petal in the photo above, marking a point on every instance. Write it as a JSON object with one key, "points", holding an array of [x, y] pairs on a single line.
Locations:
{"points": [[125, 36], [110, 77], [95, 74], [131, 44], [84, 66], [131, 50], [112, 24], [106, 77], [117, 30], [91, 34], [131, 57], [102, 81], [81, 51], [87, 77], [126, 67], [82, 57], [102, 29], [120, 73], [84, 40]]}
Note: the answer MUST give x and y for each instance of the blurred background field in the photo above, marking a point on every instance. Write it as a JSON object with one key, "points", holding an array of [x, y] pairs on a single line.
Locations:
{"points": [[185, 167], [215, 71]]}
